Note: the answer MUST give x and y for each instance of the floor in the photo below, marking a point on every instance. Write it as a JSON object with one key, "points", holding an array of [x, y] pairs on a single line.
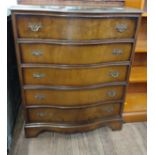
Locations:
{"points": [[131, 140]]}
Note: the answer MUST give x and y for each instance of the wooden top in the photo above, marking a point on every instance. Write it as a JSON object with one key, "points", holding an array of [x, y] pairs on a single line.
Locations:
{"points": [[75, 9], [73, 2]]}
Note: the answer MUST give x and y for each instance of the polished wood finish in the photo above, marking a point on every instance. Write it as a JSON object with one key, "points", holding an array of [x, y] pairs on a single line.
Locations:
{"points": [[48, 115], [74, 77], [76, 97], [136, 101], [74, 93], [84, 28], [100, 3], [33, 129], [139, 116], [136, 98], [141, 46], [141, 87], [135, 3], [75, 54], [138, 74], [140, 99], [140, 59]]}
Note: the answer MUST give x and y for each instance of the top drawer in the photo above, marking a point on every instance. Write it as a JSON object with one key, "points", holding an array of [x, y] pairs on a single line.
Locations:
{"points": [[75, 28]]}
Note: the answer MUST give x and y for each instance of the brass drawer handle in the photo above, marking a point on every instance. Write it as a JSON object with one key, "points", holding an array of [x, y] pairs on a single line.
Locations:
{"points": [[114, 74], [42, 114], [38, 75], [111, 93], [117, 51], [39, 97], [109, 109], [121, 27], [34, 27], [37, 53]]}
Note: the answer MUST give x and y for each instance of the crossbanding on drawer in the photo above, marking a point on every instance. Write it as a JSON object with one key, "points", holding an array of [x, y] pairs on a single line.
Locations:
{"points": [[48, 27], [72, 115], [74, 76], [75, 54], [73, 97]]}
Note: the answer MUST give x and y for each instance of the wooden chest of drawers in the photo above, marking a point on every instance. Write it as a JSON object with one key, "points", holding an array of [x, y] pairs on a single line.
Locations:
{"points": [[74, 65]]}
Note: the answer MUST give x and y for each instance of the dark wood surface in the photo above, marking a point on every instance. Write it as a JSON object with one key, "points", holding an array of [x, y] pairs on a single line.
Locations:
{"points": [[33, 129], [82, 115]]}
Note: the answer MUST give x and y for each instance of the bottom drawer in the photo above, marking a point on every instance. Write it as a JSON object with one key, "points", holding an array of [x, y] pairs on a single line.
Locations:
{"points": [[72, 115]]}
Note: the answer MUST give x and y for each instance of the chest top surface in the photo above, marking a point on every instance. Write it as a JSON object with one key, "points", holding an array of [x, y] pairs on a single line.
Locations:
{"points": [[76, 9]]}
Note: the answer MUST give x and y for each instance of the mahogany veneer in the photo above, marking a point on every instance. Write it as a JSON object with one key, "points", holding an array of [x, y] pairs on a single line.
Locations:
{"points": [[74, 65]]}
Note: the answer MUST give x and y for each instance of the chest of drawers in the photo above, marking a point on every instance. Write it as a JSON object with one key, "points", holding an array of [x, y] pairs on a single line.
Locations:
{"points": [[74, 65]]}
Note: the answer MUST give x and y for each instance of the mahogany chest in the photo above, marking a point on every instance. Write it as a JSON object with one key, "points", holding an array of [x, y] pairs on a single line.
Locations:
{"points": [[74, 64]]}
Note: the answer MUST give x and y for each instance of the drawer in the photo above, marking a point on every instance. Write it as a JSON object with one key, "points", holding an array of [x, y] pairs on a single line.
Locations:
{"points": [[71, 28], [73, 54], [74, 76], [73, 97], [72, 115]]}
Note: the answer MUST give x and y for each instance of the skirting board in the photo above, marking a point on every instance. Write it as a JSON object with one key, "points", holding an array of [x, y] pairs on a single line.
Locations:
{"points": [[135, 116]]}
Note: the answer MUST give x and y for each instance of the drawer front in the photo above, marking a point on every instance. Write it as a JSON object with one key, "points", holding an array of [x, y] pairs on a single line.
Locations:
{"points": [[48, 27], [72, 54], [72, 115], [74, 77], [73, 97]]}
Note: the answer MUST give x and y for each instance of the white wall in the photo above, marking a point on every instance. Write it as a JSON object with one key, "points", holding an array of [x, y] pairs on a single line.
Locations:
{"points": [[10, 3]]}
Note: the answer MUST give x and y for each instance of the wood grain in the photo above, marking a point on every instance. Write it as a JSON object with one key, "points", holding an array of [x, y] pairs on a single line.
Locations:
{"points": [[135, 108], [138, 74], [74, 77], [74, 54], [84, 28], [140, 59], [33, 129], [72, 97], [76, 87], [135, 3], [89, 114], [136, 102], [141, 45], [99, 3], [139, 116]]}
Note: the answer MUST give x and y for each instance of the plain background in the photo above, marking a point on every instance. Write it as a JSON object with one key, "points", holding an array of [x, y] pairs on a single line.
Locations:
{"points": [[5, 4]]}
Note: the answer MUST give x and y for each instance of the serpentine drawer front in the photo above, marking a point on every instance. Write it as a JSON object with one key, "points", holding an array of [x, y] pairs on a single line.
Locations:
{"points": [[75, 54], [48, 27], [73, 77], [73, 97], [74, 65], [72, 115]]}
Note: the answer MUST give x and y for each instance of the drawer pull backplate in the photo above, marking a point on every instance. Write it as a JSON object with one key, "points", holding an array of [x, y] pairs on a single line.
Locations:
{"points": [[37, 53], [121, 27], [114, 74], [109, 109], [39, 97], [117, 51], [38, 75], [34, 27], [111, 93], [42, 114]]}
